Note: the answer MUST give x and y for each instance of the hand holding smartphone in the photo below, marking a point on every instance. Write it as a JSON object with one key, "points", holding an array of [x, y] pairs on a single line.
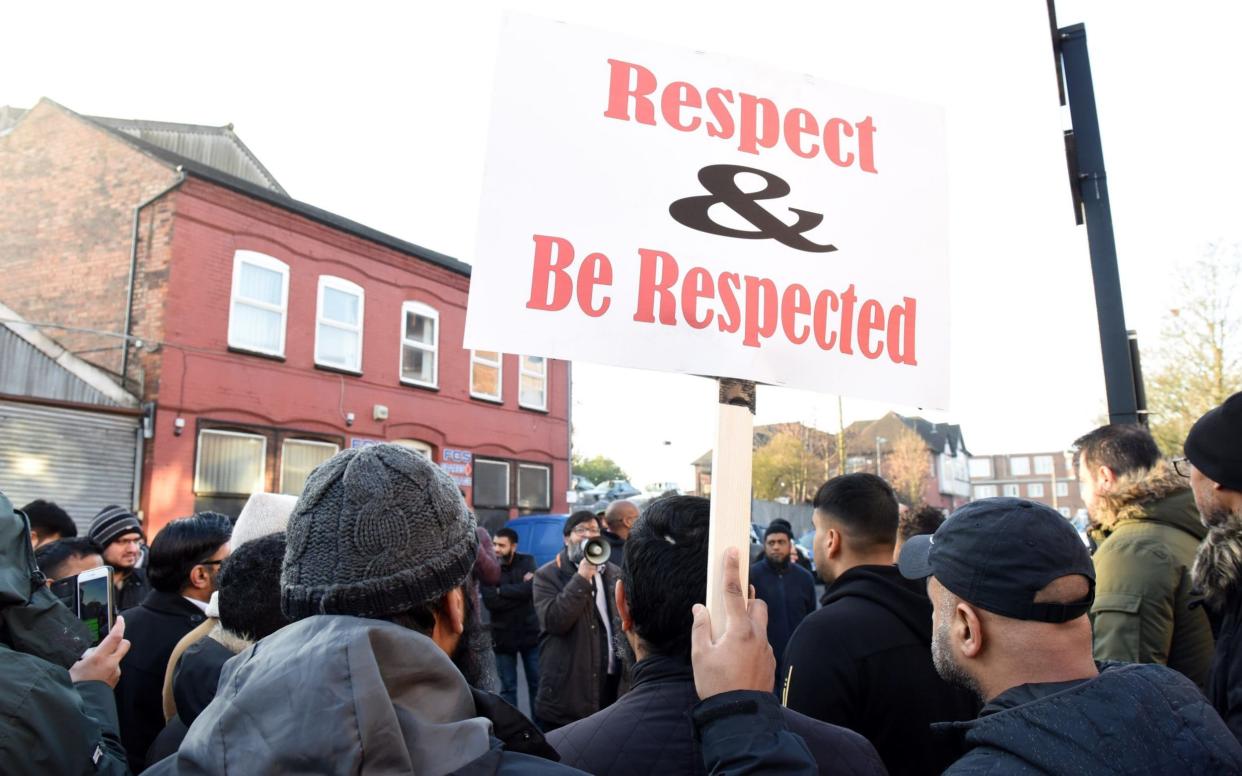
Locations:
{"points": [[95, 601]]}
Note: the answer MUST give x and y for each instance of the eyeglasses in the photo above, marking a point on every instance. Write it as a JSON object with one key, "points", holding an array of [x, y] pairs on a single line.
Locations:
{"points": [[585, 530], [1182, 465], [209, 563]]}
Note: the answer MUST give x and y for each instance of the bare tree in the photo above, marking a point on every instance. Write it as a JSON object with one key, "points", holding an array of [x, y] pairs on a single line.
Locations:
{"points": [[907, 467], [1199, 359]]}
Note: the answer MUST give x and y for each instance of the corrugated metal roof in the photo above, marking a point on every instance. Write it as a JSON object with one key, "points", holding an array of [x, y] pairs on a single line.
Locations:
{"points": [[25, 371], [33, 365], [216, 147]]}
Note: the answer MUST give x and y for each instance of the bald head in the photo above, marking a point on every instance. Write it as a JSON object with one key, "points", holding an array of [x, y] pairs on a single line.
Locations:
{"points": [[620, 517], [989, 653]]}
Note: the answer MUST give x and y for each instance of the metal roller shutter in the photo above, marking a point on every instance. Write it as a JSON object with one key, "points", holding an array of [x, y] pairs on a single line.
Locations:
{"points": [[82, 460]]}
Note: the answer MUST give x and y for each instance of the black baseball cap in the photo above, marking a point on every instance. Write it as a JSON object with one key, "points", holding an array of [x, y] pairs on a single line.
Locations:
{"points": [[997, 553]]}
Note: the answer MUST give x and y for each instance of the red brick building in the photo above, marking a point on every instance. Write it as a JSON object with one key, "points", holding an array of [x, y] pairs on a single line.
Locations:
{"points": [[261, 333], [1048, 478]]}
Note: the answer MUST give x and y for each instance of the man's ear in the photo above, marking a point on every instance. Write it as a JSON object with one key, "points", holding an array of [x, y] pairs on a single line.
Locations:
{"points": [[832, 543], [967, 630], [1105, 478], [623, 608], [199, 578], [454, 608]]}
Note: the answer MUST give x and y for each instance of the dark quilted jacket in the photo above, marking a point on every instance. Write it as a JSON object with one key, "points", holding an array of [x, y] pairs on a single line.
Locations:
{"points": [[1132, 718], [649, 731]]}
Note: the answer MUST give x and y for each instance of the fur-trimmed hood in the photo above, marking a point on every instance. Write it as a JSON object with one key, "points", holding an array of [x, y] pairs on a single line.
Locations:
{"points": [[1218, 564], [1138, 497]]}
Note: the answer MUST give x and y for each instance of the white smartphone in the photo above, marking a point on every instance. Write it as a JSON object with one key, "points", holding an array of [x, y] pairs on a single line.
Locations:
{"points": [[95, 602]]}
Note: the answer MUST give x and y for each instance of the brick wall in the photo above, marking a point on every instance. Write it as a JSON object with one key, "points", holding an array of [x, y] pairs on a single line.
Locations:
{"points": [[67, 194]]}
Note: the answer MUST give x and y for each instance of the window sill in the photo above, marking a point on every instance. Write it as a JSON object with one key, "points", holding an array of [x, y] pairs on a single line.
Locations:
{"points": [[420, 386], [489, 399], [338, 370], [256, 353], [540, 410]]}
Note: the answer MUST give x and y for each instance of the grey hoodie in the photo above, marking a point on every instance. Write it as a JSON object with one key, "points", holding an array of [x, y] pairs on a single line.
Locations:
{"points": [[343, 695]]}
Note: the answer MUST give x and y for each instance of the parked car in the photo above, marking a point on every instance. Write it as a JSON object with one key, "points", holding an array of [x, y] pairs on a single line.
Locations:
{"points": [[539, 535], [608, 490]]}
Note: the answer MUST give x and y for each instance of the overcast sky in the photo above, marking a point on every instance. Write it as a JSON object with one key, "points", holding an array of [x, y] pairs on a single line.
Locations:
{"points": [[380, 113]]}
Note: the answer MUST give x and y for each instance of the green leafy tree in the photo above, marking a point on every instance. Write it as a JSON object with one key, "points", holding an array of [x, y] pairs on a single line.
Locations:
{"points": [[1198, 362], [598, 469]]}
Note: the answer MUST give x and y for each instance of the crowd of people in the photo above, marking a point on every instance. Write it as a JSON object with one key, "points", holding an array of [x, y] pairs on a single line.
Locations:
{"points": [[372, 626]]}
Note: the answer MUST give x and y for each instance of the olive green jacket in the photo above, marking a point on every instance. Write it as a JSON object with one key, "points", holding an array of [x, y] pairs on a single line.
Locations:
{"points": [[1148, 531]]}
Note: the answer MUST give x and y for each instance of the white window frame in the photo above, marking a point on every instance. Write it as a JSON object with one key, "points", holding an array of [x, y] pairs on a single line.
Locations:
{"points": [[500, 376], [427, 311], [1049, 467], [1012, 490], [1035, 490], [345, 286], [547, 476], [1013, 470], [524, 372], [985, 491], [198, 459], [508, 483], [1062, 489], [980, 463], [263, 261], [285, 443]]}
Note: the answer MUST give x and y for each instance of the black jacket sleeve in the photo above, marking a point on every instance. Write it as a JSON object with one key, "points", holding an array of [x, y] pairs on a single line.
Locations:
{"points": [[519, 590], [743, 732]]}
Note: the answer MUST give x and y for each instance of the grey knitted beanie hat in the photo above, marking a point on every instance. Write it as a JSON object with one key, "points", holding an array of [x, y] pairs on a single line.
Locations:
{"points": [[378, 531]]}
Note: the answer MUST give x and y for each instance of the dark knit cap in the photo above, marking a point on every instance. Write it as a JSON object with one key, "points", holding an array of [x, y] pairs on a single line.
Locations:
{"points": [[111, 524], [378, 531], [1214, 444], [778, 526]]}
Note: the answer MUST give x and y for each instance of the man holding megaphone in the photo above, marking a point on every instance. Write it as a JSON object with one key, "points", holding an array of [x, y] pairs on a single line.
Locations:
{"points": [[579, 671]]}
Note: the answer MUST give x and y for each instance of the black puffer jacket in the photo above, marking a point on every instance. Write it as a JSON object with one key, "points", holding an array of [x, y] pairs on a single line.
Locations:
{"points": [[1132, 718], [864, 662], [650, 731], [573, 644]]}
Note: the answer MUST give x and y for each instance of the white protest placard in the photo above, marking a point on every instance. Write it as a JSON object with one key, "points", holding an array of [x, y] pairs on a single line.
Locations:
{"points": [[650, 207]]}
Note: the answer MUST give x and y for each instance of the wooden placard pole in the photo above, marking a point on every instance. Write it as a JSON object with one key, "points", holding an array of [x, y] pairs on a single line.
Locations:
{"points": [[730, 509]]}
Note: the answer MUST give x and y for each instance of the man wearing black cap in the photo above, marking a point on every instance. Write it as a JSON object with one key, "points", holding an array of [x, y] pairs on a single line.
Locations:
{"points": [[579, 672], [118, 535], [1011, 585], [787, 588], [1214, 465]]}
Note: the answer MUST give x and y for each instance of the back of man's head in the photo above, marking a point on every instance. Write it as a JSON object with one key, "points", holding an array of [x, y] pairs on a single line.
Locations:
{"points": [[249, 587], [57, 559], [49, 521], [665, 572], [183, 544], [378, 532], [924, 520], [1126, 449], [863, 506]]}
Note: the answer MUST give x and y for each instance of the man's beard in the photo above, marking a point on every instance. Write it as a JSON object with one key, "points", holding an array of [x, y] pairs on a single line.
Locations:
{"points": [[621, 647], [1218, 516], [779, 565], [946, 666]]}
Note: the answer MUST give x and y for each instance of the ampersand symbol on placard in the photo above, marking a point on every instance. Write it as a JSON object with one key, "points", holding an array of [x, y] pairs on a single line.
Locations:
{"points": [[720, 180]]}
